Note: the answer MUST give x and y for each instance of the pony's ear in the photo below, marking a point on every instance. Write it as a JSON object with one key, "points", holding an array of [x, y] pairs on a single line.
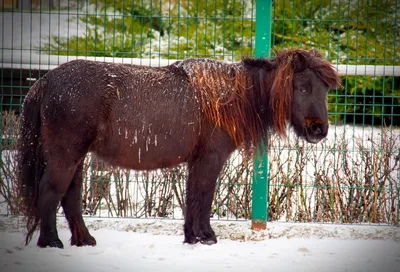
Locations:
{"points": [[315, 53], [300, 61]]}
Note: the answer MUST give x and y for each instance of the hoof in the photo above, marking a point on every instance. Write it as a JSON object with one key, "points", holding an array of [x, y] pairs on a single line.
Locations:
{"points": [[191, 240], [205, 241], [54, 243], [209, 241], [87, 241]]}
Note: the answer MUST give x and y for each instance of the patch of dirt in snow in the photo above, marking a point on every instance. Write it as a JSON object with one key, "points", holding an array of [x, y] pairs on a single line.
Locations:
{"points": [[233, 230]]}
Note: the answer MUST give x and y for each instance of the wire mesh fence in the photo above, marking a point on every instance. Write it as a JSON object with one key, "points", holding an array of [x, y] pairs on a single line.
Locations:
{"points": [[352, 177]]}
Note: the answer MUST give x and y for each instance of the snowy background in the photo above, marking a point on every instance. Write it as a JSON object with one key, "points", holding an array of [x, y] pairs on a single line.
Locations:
{"points": [[156, 245]]}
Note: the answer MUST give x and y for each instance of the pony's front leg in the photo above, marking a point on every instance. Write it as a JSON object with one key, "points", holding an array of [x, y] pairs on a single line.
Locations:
{"points": [[203, 174]]}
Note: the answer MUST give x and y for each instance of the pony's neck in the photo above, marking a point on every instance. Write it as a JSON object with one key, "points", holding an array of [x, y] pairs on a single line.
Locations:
{"points": [[262, 72]]}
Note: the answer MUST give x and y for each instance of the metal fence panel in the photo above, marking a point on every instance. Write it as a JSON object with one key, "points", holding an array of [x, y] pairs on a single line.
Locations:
{"points": [[353, 177]]}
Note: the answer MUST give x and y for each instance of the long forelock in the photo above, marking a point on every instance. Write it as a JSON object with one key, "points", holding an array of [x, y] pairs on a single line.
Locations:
{"points": [[326, 72]]}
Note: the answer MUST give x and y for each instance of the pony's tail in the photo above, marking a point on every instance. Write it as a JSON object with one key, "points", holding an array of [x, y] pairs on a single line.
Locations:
{"points": [[30, 158]]}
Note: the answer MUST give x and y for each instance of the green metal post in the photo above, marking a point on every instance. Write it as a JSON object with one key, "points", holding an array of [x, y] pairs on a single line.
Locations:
{"points": [[260, 175]]}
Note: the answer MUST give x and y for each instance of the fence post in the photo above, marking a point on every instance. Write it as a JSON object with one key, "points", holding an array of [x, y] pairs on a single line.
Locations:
{"points": [[260, 169]]}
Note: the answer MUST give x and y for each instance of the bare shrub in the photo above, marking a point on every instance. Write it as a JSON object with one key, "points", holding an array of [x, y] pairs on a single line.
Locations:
{"points": [[8, 189], [348, 180]]}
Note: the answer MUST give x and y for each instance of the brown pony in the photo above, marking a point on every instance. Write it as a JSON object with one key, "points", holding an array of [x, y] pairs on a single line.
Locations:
{"points": [[196, 111]]}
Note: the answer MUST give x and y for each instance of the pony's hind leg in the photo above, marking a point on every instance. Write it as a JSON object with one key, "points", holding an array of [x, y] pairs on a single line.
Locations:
{"points": [[52, 187], [203, 174], [71, 203]]}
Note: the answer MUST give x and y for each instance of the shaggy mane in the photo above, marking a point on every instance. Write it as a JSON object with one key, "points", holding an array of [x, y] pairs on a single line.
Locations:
{"points": [[225, 95]]}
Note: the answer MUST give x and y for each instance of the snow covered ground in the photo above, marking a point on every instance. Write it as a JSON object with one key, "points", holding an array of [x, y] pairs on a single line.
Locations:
{"points": [[156, 245]]}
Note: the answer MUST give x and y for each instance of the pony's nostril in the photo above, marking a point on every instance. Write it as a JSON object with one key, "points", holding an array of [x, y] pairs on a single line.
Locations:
{"points": [[316, 129]]}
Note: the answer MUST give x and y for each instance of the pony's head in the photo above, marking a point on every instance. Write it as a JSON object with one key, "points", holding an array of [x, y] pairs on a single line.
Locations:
{"points": [[299, 92]]}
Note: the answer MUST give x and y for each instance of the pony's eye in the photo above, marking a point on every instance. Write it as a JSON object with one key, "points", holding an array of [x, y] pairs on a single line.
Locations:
{"points": [[303, 90]]}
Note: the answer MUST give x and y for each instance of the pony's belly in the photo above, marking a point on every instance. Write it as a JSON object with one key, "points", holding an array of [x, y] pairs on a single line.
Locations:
{"points": [[146, 154], [130, 162]]}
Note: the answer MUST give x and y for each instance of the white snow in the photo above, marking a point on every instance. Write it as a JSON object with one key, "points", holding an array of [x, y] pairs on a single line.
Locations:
{"points": [[156, 245], [30, 31]]}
